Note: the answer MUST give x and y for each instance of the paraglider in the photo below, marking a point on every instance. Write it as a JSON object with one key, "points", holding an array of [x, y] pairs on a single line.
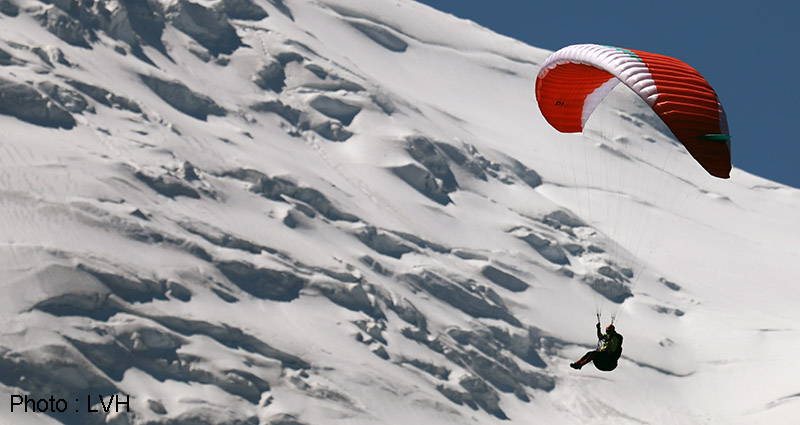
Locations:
{"points": [[608, 352], [575, 79], [570, 85]]}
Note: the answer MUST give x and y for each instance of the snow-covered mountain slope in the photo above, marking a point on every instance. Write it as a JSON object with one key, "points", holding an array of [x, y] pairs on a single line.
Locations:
{"points": [[352, 212]]}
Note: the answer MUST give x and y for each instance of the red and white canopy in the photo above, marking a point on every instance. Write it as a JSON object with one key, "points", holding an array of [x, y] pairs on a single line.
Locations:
{"points": [[574, 80]]}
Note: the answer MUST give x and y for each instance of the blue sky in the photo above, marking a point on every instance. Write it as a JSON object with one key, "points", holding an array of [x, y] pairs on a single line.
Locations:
{"points": [[749, 52]]}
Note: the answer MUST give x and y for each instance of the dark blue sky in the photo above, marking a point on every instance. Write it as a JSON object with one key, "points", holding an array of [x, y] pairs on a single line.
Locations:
{"points": [[748, 51]]}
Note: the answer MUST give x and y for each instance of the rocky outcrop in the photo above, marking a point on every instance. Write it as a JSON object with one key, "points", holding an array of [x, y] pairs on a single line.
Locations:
{"points": [[70, 100], [548, 249], [207, 26], [167, 185], [8, 8], [276, 285], [286, 112], [426, 153], [245, 10], [29, 105], [334, 108], [67, 28], [423, 181], [383, 242], [105, 97], [180, 97], [275, 188], [472, 300], [271, 76], [530, 177], [506, 280]]}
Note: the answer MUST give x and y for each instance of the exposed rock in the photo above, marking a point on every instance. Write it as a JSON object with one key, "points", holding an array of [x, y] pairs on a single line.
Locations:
{"points": [[525, 347], [7, 59], [495, 343], [439, 372], [406, 310], [614, 291], [50, 55], [286, 112], [155, 350], [167, 185], [466, 254], [458, 397], [178, 291], [225, 240], [495, 374], [456, 295], [423, 181], [352, 297], [284, 419], [275, 188], [382, 242], [245, 174], [483, 395], [292, 219], [474, 166], [335, 108], [264, 283], [71, 100], [611, 274], [130, 289], [563, 218], [73, 292], [330, 82], [245, 10], [427, 154], [105, 97], [279, 4], [497, 368], [670, 285], [506, 280], [182, 98], [271, 76], [574, 249], [288, 56], [666, 310], [530, 177], [224, 295], [56, 369], [380, 35], [550, 250], [422, 243], [232, 338], [27, 104], [380, 351], [136, 22], [332, 131], [207, 26], [65, 27], [8, 8], [419, 336], [81, 10], [156, 407], [214, 414], [375, 265], [190, 172]]}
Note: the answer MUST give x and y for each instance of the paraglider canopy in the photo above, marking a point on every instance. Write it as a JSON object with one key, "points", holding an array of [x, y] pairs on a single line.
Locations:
{"points": [[574, 80]]}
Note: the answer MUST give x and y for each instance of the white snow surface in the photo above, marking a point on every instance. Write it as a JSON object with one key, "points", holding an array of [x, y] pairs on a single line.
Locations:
{"points": [[716, 344]]}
